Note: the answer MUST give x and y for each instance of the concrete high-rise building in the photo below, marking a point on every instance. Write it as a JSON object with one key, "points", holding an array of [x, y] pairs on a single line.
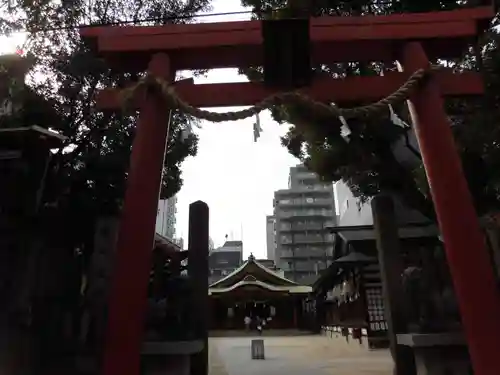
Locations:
{"points": [[270, 237], [303, 212], [224, 260], [165, 218]]}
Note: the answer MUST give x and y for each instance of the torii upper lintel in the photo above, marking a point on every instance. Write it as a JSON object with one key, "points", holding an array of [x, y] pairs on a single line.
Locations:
{"points": [[333, 39]]}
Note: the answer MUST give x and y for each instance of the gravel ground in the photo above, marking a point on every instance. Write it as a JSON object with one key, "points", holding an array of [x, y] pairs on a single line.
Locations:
{"points": [[301, 355]]}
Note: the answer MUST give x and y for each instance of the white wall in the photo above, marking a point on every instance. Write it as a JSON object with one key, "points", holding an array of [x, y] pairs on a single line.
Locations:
{"points": [[349, 213]]}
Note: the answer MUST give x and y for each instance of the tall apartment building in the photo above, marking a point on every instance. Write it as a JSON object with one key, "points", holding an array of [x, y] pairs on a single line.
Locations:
{"points": [[270, 240], [302, 213], [165, 218]]}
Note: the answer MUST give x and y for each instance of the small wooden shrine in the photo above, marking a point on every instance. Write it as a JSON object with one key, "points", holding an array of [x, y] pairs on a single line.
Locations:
{"points": [[254, 290]]}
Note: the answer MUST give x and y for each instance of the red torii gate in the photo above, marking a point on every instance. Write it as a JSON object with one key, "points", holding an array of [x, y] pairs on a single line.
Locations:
{"points": [[411, 39]]}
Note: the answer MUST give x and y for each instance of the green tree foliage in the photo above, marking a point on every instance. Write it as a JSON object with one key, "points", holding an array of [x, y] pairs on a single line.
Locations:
{"points": [[366, 161], [87, 177]]}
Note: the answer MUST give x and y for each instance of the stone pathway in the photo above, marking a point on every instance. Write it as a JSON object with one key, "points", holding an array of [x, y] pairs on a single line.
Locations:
{"points": [[301, 355]]}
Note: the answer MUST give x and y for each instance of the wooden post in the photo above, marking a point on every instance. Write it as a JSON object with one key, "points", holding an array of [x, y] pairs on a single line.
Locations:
{"points": [[468, 259], [135, 242], [198, 272], [295, 313], [391, 268]]}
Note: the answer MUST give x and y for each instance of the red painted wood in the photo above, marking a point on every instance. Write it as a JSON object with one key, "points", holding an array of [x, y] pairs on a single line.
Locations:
{"points": [[128, 297], [348, 90], [396, 31], [467, 255], [471, 14], [476, 13], [241, 48], [239, 44], [178, 29], [240, 38]]}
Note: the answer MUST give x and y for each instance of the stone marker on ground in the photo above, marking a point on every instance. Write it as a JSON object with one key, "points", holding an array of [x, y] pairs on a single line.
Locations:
{"points": [[258, 349]]}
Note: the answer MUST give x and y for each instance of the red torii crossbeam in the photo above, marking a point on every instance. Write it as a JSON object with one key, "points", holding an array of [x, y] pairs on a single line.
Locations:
{"points": [[334, 39], [412, 39], [347, 90]]}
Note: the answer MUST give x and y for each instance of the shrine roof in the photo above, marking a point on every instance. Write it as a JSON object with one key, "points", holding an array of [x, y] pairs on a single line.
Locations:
{"points": [[166, 243], [16, 135], [296, 289], [254, 274]]}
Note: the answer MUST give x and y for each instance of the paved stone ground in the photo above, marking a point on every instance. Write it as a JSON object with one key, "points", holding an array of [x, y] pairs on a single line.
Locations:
{"points": [[300, 355]]}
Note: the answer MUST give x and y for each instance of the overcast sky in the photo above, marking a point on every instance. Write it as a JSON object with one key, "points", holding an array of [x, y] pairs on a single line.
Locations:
{"points": [[236, 176], [233, 174]]}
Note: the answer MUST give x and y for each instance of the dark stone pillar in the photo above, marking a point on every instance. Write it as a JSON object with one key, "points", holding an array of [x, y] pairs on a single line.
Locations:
{"points": [[391, 268], [198, 273]]}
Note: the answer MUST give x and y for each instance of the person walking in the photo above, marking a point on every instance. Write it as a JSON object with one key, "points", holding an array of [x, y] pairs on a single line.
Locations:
{"points": [[259, 326], [247, 322]]}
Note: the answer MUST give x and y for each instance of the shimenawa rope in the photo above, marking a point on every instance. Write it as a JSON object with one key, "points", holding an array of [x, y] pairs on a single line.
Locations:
{"points": [[322, 109]]}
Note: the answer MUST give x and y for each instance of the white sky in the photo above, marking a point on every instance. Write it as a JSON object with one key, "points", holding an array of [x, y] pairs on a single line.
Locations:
{"points": [[233, 175]]}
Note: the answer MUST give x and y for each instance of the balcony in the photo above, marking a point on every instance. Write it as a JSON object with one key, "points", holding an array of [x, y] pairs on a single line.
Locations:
{"points": [[306, 238], [310, 227], [305, 213], [307, 202], [306, 175], [302, 191], [306, 266], [302, 241], [306, 254]]}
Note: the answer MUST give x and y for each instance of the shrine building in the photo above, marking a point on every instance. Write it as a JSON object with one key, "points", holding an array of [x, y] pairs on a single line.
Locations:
{"points": [[255, 290], [348, 295]]}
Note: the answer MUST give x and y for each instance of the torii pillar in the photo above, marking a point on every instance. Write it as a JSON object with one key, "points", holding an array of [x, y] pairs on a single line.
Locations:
{"points": [[128, 297], [468, 258]]}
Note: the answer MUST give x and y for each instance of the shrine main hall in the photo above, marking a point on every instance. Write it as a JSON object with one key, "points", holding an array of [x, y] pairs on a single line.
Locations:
{"points": [[255, 290]]}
